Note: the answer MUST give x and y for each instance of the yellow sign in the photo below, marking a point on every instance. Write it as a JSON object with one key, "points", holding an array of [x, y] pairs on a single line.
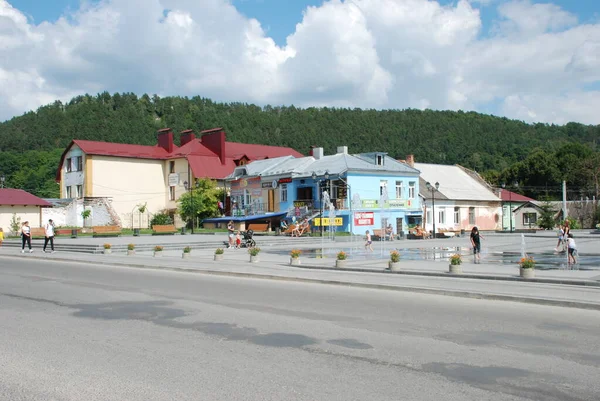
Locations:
{"points": [[338, 221]]}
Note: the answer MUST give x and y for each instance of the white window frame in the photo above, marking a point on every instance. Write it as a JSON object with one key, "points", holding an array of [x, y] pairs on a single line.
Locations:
{"points": [[456, 215], [79, 191], [379, 160], [69, 192], [472, 217], [526, 217], [382, 184], [442, 216], [69, 165], [247, 197], [429, 219], [78, 163], [411, 189], [399, 189], [283, 193], [171, 193]]}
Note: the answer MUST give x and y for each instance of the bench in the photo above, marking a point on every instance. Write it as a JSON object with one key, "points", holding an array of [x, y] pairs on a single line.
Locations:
{"points": [[380, 233], [38, 232], [417, 233], [445, 233], [106, 231], [288, 231], [258, 227], [166, 229]]}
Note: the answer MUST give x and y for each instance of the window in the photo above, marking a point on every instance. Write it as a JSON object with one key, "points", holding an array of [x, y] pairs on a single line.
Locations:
{"points": [[456, 215], [171, 167], [69, 166], [283, 193], [379, 160], [382, 187], [399, 190], [79, 163], [69, 191], [442, 216], [79, 191], [172, 193], [248, 197], [429, 217], [411, 190], [471, 215], [529, 218]]}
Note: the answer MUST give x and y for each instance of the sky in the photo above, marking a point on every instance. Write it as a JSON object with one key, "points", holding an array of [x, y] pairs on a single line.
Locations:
{"points": [[536, 61]]}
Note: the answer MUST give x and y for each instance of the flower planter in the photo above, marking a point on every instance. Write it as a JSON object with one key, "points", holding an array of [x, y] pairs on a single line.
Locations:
{"points": [[341, 263], [294, 261], [218, 256], [454, 269], [254, 259], [158, 254], [186, 255], [130, 252], [107, 251], [527, 273], [394, 266]]}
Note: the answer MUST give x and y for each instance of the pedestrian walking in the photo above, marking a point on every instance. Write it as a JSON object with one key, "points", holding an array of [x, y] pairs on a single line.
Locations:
{"points": [[1, 236], [231, 231], [369, 242], [26, 237], [49, 235], [572, 248], [476, 238]]}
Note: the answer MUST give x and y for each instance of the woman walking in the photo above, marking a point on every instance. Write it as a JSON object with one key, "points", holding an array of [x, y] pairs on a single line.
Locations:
{"points": [[26, 237], [476, 242]]}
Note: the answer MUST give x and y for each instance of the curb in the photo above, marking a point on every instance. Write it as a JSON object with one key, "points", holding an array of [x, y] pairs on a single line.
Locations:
{"points": [[420, 290], [583, 283]]}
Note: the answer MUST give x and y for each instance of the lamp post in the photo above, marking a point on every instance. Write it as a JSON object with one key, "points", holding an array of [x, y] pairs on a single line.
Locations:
{"points": [[433, 188], [320, 186]]}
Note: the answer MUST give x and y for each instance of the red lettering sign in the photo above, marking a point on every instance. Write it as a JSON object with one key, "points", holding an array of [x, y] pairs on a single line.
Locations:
{"points": [[364, 218]]}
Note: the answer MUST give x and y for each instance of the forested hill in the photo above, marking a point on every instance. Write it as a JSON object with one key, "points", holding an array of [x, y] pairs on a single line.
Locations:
{"points": [[478, 141]]}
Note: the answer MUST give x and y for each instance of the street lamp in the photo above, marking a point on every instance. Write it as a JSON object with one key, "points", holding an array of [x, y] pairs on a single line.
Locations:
{"points": [[433, 188], [321, 182]]}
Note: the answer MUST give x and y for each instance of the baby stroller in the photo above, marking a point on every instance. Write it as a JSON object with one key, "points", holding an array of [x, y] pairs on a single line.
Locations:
{"points": [[248, 242]]}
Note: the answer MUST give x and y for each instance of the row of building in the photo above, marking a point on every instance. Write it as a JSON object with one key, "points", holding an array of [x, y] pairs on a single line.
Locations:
{"points": [[352, 192]]}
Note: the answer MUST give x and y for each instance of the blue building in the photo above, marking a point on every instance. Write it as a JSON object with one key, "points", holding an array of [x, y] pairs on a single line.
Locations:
{"points": [[340, 192]]}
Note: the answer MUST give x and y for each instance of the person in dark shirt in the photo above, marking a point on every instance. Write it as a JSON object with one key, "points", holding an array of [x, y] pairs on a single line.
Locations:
{"points": [[476, 238]]}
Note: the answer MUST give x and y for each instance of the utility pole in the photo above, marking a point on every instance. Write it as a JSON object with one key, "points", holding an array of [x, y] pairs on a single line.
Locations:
{"points": [[564, 200]]}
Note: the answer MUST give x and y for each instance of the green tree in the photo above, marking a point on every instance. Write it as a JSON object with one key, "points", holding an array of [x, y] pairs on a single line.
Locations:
{"points": [[546, 220], [201, 202]]}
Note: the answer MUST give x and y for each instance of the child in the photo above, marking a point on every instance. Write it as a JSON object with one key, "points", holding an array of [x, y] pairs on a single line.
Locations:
{"points": [[561, 233], [369, 243], [476, 238], [1, 236], [238, 240], [572, 246]]}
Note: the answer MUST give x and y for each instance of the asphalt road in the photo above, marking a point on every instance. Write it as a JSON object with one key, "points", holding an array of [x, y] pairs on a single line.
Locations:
{"points": [[85, 332]]}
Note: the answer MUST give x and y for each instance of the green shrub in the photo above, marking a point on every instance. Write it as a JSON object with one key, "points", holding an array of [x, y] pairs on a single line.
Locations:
{"points": [[161, 219]]}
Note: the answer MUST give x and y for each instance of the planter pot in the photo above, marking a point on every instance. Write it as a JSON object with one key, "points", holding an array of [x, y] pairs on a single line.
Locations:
{"points": [[158, 254], [107, 251], [186, 255], [341, 263], [527, 273], [294, 261], [130, 252], [218, 257], [394, 266], [455, 269], [254, 259]]}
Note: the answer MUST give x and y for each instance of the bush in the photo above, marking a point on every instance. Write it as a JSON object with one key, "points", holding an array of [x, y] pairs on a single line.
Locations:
{"points": [[219, 251], [254, 251], [187, 249], [341, 255], [395, 256], [455, 259], [130, 247], [161, 219]]}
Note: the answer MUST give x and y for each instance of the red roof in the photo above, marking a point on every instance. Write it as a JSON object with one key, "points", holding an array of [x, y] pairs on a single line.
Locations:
{"points": [[204, 161], [10, 196], [509, 196]]}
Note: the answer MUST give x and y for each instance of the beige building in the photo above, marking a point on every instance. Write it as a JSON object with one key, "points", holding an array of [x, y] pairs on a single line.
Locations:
{"points": [[22, 206], [129, 176]]}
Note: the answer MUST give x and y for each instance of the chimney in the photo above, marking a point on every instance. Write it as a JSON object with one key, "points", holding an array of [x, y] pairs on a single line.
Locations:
{"points": [[186, 136], [311, 151], [165, 139], [317, 153], [214, 139], [410, 160], [342, 149]]}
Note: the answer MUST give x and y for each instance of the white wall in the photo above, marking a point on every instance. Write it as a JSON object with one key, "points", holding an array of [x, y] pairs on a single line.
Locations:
{"points": [[25, 213], [73, 178]]}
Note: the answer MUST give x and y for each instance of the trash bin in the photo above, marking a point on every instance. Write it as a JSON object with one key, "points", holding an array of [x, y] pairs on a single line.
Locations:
{"points": [[136, 232], [401, 235], [182, 230], [74, 233]]}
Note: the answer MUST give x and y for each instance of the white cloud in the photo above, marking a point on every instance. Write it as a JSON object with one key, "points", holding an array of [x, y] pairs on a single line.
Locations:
{"points": [[352, 53]]}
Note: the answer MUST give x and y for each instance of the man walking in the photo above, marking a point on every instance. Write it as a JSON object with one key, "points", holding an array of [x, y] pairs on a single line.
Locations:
{"points": [[49, 235]]}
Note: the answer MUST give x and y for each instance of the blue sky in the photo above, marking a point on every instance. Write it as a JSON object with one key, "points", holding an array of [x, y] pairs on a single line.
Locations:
{"points": [[279, 17], [532, 60]]}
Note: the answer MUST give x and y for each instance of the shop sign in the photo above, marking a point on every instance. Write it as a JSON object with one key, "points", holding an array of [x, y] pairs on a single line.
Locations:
{"points": [[285, 180], [364, 219], [173, 179], [338, 221]]}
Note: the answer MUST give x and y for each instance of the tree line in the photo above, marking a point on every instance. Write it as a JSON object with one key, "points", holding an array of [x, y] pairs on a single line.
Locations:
{"points": [[532, 159]]}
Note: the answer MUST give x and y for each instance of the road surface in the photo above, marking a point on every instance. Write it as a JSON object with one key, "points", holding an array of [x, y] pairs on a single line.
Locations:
{"points": [[73, 331]]}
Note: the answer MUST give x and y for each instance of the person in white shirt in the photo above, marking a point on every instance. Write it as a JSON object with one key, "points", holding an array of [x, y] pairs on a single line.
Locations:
{"points": [[26, 237], [49, 235], [572, 248]]}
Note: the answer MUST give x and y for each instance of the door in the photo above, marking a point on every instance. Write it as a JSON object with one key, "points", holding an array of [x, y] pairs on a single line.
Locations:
{"points": [[399, 225], [271, 201]]}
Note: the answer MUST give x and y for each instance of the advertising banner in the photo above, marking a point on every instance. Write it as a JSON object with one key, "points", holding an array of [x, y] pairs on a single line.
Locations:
{"points": [[364, 218], [338, 221]]}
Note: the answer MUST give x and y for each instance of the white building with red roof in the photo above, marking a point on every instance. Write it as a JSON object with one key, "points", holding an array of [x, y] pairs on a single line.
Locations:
{"points": [[132, 175], [22, 205]]}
